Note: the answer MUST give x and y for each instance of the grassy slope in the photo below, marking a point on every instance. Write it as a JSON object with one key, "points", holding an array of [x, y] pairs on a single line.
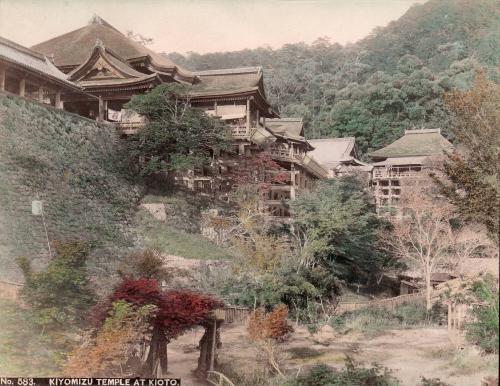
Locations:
{"points": [[170, 240]]}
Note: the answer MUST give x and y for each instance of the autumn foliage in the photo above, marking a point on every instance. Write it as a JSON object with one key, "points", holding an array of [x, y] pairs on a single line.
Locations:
{"points": [[137, 315], [267, 330], [180, 310], [272, 325]]}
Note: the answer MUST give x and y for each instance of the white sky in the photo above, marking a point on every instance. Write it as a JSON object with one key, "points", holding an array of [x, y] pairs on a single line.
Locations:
{"points": [[204, 25]]}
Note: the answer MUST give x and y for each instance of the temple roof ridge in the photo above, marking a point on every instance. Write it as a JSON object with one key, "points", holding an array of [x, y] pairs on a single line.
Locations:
{"points": [[230, 71]]}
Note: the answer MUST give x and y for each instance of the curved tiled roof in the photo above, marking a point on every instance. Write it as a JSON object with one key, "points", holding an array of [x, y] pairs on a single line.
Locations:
{"points": [[72, 48], [423, 142], [332, 151], [291, 127], [34, 61], [233, 79]]}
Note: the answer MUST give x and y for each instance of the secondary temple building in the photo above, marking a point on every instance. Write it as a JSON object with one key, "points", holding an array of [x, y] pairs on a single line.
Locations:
{"points": [[401, 164]]}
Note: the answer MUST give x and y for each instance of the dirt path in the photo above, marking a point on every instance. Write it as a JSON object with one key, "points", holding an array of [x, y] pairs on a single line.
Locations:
{"points": [[409, 353]]}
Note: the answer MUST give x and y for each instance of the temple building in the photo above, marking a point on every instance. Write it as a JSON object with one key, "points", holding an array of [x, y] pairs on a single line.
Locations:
{"points": [[111, 67], [31, 75], [291, 152], [339, 156], [405, 162]]}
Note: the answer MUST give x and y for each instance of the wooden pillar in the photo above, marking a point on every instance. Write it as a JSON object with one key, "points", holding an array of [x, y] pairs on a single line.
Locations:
{"points": [[215, 108], [40, 94], [214, 345], [258, 118], [100, 117], [248, 115], [22, 87], [2, 79], [58, 102]]}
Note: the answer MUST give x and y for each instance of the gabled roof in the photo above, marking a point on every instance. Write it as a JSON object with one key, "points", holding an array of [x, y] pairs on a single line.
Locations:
{"points": [[333, 151], [33, 61], [104, 68], [107, 57], [422, 142], [291, 127], [72, 48]]}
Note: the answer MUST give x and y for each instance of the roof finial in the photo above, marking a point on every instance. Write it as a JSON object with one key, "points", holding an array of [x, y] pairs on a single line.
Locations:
{"points": [[99, 43], [95, 19]]}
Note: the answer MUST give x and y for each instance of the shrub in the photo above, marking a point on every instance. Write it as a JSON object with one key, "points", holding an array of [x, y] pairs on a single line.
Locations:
{"points": [[377, 319], [352, 375], [60, 295], [484, 330], [432, 382]]}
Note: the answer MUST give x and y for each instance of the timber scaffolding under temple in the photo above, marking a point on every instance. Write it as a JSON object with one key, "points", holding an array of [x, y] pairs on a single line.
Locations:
{"points": [[106, 68]]}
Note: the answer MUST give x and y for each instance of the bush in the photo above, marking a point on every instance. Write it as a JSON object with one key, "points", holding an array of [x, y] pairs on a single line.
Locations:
{"points": [[484, 330], [352, 375], [377, 319], [432, 382], [60, 295]]}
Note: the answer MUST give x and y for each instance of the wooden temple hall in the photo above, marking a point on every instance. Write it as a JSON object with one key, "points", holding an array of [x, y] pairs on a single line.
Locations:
{"points": [[110, 66], [95, 70]]}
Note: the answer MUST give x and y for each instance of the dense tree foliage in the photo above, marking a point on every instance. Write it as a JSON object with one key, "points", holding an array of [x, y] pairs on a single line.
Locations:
{"points": [[177, 137], [392, 80], [60, 295], [483, 330], [473, 171], [339, 228]]}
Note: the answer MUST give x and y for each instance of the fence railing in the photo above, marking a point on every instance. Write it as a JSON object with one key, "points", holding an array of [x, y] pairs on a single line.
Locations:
{"points": [[389, 303], [218, 379]]}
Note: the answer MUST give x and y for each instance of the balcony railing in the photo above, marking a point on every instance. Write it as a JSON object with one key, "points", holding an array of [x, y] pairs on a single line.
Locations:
{"points": [[284, 155], [240, 131], [128, 128], [397, 173]]}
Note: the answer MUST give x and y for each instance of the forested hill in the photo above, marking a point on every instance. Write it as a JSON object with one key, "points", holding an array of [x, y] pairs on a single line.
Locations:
{"points": [[390, 81]]}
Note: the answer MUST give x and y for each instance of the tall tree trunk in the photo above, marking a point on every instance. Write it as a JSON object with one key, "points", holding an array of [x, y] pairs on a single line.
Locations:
{"points": [[428, 287]]}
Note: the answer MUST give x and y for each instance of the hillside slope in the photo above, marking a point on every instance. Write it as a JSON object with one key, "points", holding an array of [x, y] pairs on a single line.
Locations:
{"points": [[74, 166], [378, 87]]}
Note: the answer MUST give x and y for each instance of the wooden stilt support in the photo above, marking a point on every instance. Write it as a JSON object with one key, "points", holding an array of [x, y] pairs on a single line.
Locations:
{"points": [[248, 116]]}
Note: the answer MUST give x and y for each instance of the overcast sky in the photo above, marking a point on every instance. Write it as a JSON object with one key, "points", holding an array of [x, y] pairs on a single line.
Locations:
{"points": [[204, 25]]}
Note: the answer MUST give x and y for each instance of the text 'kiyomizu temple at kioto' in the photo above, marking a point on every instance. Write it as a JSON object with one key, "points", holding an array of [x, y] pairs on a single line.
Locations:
{"points": [[95, 70]]}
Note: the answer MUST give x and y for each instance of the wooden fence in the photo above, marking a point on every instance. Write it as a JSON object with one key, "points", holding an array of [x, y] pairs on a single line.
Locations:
{"points": [[232, 314], [218, 379], [10, 290], [390, 303]]}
